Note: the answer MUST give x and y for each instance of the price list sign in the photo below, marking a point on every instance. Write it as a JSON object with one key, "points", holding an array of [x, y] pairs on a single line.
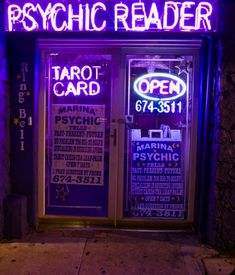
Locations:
{"points": [[156, 182], [78, 133]]}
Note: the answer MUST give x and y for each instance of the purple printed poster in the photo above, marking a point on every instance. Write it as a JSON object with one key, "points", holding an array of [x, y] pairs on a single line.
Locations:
{"points": [[78, 133], [156, 184]]}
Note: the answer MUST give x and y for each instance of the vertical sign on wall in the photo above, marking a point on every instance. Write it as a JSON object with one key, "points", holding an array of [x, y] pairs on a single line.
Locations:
{"points": [[21, 81], [21, 87], [23, 119]]}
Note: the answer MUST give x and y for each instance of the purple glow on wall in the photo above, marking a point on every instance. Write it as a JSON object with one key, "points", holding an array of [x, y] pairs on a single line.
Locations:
{"points": [[116, 16]]}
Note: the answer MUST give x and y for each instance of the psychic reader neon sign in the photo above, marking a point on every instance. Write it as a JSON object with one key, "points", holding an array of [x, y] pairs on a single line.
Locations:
{"points": [[84, 15]]}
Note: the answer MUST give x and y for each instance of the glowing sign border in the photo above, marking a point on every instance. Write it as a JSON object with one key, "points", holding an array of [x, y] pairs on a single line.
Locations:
{"points": [[169, 76]]}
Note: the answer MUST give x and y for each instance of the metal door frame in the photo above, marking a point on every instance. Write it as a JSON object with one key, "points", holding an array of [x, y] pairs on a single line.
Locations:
{"points": [[119, 48]]}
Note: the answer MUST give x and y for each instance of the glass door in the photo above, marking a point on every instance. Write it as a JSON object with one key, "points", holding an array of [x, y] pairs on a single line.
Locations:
{"points": [[160, 136], [117, 130], [76, 106]]}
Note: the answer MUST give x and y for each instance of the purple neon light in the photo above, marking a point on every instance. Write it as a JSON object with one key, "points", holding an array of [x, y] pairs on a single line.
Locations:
{"points": [[116, 16]]}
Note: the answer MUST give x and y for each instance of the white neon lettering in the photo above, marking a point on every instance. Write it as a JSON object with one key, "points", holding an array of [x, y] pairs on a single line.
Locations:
{"points": [[87, 17], [14, 16], [159, 106], [75, 17], [154, 85], [153, 18], [159, 86], [170, 5], [144, 86], [174, 87], [94, 88], [84, 84], [45, 14], [138, 18], [65, 73], [74, 71], [97, 68], [120, 15], [71, 89], [184, 16], [134, 16], [94, 10], [91, 88], [164, 87], [56, 72], [26, 10], [56, 89], [86, 70], [203, 18], [55, 10]]}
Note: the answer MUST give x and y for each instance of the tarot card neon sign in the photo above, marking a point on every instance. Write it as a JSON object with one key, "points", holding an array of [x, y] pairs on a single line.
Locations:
{"points": [[76, 80], [116, 15]]}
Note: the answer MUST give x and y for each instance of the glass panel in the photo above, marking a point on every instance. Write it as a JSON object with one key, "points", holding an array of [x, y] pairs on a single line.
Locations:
{"points": [[77, 141], [158, 123]]}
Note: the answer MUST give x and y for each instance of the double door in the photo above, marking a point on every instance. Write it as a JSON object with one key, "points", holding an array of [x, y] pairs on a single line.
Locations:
{"points": [[117, 128]]}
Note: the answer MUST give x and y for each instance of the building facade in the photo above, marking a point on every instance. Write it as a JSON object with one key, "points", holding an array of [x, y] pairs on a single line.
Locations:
{"points": [[120, 114]]}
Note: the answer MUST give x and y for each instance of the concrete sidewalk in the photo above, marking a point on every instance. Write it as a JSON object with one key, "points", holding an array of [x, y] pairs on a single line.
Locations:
{"points": [[111, 252]]}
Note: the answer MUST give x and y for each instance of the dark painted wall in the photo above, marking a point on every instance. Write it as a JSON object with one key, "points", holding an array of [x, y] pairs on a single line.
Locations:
{"points": [[4, 122]]}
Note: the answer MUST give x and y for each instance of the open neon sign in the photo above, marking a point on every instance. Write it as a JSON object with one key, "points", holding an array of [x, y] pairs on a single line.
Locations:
{"points": [[159, 93], [76, 80], [82, 16], [159, 86]]}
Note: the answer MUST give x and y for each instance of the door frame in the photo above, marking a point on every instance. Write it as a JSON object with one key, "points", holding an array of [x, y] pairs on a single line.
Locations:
{"points": [[124, 47]]}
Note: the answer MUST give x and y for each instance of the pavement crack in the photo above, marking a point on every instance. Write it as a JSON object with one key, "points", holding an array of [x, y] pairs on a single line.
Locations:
{"points": [[83, 254]]}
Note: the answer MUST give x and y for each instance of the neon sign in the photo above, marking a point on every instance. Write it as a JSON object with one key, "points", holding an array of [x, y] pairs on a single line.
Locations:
{"points": [[159, 86], [76, 80], [84, 15], [159, 92]]}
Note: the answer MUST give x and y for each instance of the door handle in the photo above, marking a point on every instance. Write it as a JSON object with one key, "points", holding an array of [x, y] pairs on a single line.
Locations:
{"points": [[114, 136]]}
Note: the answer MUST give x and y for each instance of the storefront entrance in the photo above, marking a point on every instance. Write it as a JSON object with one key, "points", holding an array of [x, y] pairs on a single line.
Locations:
{"points": [[117, 133]]}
